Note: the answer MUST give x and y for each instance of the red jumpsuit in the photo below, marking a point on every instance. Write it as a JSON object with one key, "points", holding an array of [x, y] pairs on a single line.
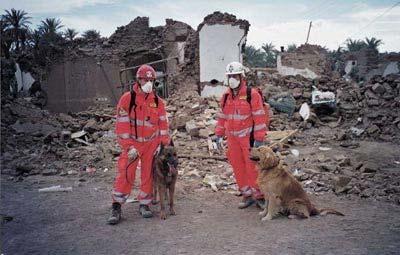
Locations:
{"points": [[152, 129], [236, 122]]}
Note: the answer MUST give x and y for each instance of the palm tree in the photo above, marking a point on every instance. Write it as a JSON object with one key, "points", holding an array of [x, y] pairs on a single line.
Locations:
{"points": [[268, 48], [354, 45], [291, 47], [255, 57], [17, 22], [270, 52], [34, 38], [70, 34], [6, 39], [91, 34], [373, 43], [50, 26]]}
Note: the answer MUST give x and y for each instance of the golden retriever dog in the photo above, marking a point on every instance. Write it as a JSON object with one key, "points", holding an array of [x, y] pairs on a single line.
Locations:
{"points": [[284, 193]]}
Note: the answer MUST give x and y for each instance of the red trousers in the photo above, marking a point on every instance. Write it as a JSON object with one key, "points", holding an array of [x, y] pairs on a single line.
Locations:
{"points": [[127, 171], [243, 167]]}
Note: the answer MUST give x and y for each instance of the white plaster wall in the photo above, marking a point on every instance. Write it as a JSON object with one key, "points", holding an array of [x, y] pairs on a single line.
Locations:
{"points": [[24, 80], [180, 46], [210, 91], [218, 47], [392, 67], [287, 70], [349, 66]]}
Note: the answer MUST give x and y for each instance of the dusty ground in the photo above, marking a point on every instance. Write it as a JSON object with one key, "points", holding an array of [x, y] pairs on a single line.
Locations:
{"points": [[206, 223]]}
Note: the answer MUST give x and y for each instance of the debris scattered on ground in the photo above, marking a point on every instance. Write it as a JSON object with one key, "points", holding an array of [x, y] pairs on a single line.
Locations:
{"points": [[57, 188]]}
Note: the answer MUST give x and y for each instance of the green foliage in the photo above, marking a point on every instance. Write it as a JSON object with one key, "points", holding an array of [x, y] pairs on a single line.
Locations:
{"points": [[354, 45], [373, 43], [271, 54], [70, 34], [91, 34], [15, 25], [255, 57], [291, 47]]}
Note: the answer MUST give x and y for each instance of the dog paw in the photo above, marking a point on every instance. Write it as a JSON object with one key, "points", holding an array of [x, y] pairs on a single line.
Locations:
{"points": [[172, 211], [163, 215], [266, 218], [262, 214]]}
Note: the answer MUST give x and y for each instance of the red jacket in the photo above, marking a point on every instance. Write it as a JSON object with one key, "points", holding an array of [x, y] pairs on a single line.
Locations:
{"points": [[151, 121], [238, 116]]}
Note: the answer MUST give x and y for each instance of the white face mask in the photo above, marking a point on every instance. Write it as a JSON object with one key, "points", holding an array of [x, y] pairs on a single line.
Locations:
{"points": [[233, 83], [147, 87]]}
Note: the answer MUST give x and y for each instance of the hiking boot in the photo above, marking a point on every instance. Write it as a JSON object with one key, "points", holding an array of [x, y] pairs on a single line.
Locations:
{"points": [[261, 203], [115, 216], [145, 211], [247, 201]]}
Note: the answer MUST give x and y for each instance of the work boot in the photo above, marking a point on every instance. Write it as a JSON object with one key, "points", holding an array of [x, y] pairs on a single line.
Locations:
{"points": [[145, 211], [115, 216], [247, 201], [261, 203]]}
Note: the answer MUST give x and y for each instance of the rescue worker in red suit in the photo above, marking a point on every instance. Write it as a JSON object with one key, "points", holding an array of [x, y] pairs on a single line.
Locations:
{"points": [[141, 126], [236, 121]]}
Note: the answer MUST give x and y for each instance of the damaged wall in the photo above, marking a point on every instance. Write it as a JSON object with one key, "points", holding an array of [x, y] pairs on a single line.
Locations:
{"points": [[368, 63], [97, 63], [219, 45], [75, 85], [24, 79], [212, 47]]}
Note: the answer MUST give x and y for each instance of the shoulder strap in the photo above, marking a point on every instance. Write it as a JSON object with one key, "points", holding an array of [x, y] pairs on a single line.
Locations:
{"points": [[248, 95], [156, 100], [132, 104], [133, 100], [224, 101]]}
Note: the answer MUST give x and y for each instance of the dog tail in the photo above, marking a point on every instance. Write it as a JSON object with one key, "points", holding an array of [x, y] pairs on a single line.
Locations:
{"points": [[325, 211]]}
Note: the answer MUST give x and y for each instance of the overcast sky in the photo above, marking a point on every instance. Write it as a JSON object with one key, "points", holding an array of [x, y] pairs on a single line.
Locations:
{"points": [[279, 22]]}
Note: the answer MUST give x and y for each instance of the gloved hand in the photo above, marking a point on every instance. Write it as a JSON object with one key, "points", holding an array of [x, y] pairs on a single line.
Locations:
{"points": [[219, 141], [132, 153], [258, 144]]}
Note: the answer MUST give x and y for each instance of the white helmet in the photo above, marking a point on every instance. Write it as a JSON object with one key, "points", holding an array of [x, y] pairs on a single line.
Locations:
{"points": [[234, 68]]}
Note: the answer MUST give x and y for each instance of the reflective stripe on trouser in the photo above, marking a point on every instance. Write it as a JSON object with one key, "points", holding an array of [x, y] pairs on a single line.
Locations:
{"points": [[244, 169], [126, 176]]}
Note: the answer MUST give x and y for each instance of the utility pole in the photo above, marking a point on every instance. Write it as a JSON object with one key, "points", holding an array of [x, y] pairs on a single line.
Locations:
{"points": [[309, 29]]}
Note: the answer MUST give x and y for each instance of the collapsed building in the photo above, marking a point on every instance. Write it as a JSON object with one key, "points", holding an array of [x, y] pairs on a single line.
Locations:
{"points": [[99, 71], [309, 61], [366, 63], [218, 40], [37, 141]]}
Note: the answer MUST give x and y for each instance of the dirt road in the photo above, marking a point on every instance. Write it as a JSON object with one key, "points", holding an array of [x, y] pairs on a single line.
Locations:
{"points": [[206, 223]]}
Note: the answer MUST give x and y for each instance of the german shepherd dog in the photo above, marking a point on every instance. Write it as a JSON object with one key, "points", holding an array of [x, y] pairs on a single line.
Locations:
{"points": [[164, 177]]}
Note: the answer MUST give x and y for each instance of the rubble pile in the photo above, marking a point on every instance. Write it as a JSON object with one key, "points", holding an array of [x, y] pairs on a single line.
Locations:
{"points": [[35, 141], [373, 108], [192, 124], [343, 175], [313, 57], [38, 142], [364, 110]]}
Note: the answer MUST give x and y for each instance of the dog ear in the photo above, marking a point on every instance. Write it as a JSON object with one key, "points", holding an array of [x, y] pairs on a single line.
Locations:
{"points": [[171, 143]]}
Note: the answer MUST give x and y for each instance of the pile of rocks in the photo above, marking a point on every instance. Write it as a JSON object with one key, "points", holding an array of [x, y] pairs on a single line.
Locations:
{"points": [[35, 141], [373, 109]]}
